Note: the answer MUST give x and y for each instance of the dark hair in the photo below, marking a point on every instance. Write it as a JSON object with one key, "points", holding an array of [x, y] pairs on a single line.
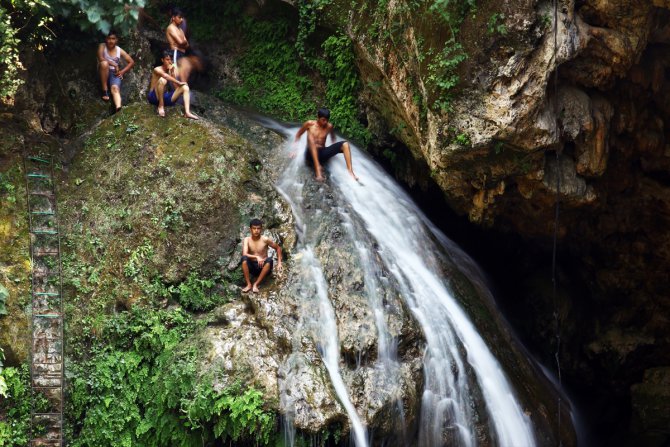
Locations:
{"points": [[112, 32], [256, 223], [323, 112], [166, 53], [176, 11]]}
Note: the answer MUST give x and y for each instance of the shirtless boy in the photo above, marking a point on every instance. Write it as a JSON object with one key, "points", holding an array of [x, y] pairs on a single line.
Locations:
{"points": [[160, 95], [178, 42], [255, 260], [109, 68], [316, 152]]}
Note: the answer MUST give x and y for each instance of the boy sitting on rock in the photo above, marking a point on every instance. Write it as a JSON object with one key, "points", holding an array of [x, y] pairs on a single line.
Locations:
{"points": [[255, 259]]}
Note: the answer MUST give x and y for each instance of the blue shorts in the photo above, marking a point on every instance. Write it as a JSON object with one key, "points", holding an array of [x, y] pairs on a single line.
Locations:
{"points": [[167, 98], [112, 79]]}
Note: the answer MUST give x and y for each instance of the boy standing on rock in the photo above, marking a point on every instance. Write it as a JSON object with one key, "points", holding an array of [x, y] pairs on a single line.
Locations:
{"points": [[255, 259]]}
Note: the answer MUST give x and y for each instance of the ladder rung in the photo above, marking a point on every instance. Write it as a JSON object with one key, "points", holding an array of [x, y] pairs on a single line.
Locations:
{"points": [[39, 175], [42, 193], [49, 338], [46, 442], [47, 387], [46, 293], [43, 213], [38, 159], [47, 414], [44, 274], [40, 231], [45, 253], [47, 315], [47, 363]]}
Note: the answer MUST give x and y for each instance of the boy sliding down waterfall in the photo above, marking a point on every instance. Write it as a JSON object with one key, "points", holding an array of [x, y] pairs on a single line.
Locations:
{"points": [[316, 152], [255, 260]]}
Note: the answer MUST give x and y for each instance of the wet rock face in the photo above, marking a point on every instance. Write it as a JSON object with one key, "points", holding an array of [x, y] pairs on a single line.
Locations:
{"points": [[606, 110]]}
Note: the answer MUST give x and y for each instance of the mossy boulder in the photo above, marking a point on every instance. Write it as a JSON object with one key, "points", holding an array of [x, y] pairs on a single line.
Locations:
{"points": [[154, 209], [16, 137]]}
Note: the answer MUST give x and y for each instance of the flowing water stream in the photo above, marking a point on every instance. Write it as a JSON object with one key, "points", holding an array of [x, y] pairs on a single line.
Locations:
{"points": [[457, 364]]}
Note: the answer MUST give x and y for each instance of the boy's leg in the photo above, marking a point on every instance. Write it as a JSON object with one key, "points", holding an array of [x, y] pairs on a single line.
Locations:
{"points": [[103, 70], [185, 67], [186, 92], [116, 91], [346, 150], [160, 89], [247, 277], [267, 267]]}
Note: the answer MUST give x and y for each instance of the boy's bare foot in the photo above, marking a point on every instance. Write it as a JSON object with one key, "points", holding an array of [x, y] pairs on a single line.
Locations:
{"points": [[246, 289], [255, 289], [161, 111], [105, 95], [320, 178], [353, 175], [191, 116]]}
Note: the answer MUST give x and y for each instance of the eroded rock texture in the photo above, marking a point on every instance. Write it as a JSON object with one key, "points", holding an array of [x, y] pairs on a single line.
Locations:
{"points": [[596, 92]]}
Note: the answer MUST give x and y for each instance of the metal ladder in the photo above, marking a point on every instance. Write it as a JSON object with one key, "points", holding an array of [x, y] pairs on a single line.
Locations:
{"points": [[46, 353]]}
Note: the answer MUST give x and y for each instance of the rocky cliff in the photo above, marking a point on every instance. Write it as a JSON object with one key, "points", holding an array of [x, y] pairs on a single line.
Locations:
{"points": [[520, 111]]}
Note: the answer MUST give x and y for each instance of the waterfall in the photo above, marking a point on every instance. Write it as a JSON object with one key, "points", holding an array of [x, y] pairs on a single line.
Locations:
{"points": [[457, 364], [317, 312]]}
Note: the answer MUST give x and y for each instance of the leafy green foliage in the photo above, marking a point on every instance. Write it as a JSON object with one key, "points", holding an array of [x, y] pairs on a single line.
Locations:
{"points": [[271, 73], [496, 24], [142, 386], [195, 293], [4, 295], [101, 15], [29, 22], [14, 405], [462, 139], [274, 72], [342, 86]]}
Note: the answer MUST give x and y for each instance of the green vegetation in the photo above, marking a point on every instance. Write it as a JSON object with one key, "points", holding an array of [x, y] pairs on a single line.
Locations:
{"points": [[196, 293], [277, 71], [496, 24], [14, 405], [4, 294], [141, 384], [463, 139], [32, 24]]}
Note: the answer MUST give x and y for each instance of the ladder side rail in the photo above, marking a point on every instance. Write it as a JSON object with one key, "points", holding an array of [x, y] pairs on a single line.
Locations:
{"points": [[32, 293], [60, 301]]}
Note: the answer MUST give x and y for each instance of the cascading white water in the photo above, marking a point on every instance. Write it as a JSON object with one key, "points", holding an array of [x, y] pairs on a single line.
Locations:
{"points": [[411, 250], [320, 318]]}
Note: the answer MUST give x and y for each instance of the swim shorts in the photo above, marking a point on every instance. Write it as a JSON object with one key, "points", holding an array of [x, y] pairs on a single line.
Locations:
{"points": [[167, 98], [324, 153], [254, 268]]}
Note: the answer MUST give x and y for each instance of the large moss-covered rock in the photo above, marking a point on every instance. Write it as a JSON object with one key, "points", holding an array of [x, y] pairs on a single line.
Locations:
{"points": [[17, 137]]}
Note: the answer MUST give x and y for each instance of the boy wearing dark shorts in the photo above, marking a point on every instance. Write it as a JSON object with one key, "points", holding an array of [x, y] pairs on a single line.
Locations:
{"points": [[255, 259], [317, 153]]}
